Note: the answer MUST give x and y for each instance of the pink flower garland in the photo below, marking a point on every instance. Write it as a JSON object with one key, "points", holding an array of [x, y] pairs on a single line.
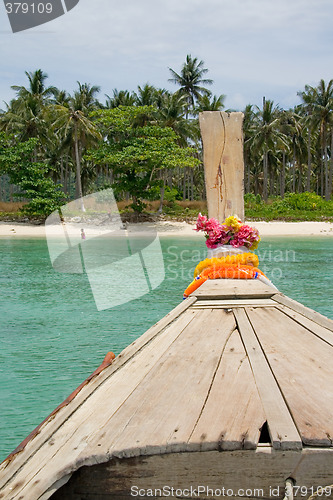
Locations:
{"points": [[237, 234]]}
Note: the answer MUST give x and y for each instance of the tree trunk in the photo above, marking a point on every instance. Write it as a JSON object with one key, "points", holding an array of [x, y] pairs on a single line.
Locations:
{"points": [[78, 169], [294, 170], [248, 169], [308, 177], [265, 186], [283, 175], [321, 174], [62, 178], [327, 196], [271, 182], [331, 169], [299, 180]]}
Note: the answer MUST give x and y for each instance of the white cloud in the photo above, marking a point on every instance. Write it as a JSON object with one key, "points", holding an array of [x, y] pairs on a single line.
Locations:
{"points": [[251, 47]]}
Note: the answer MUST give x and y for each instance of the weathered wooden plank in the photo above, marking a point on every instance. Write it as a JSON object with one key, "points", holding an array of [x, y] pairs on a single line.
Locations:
{"points": [[305, 311], [302, 365], [284, 434], [233, 415], [10, 467], [320, 331], [222, 139], [233, 289], [263, 472], [221, 304], [57, 456], [161, 414]]}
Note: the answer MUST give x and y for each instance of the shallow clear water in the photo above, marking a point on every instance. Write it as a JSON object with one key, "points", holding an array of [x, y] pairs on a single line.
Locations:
{"points": [[53, 337]]}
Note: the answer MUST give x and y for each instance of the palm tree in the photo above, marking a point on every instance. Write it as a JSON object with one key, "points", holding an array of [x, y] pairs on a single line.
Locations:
{"points": [[77, 128], [37, 88], [24, 115], [61, 97], [148, 95], [267, 136], [191, 81], [85, 99], [172, 113], [319, 104], [120, 98], [209, 102]]}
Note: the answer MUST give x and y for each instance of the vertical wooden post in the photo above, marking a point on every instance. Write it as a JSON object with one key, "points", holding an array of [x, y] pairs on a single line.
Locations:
{"points": [[222, 138]]}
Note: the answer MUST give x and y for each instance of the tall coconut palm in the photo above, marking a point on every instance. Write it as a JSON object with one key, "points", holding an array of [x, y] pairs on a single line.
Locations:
{"points": [[293, 127], [209, 102], [319, 103], [191, 80], [120, 98], [148, 95], [84, 99], [172, 113], [267, 136], [75, 125], [24, 115], [36, 88]]}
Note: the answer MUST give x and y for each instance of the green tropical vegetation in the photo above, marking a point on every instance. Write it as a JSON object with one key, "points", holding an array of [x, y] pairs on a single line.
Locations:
{"points": [[145, 144]]}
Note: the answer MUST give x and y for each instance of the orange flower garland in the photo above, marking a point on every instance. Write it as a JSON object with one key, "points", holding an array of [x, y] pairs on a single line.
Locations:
{"points": [[243, 259], [224, 271]]}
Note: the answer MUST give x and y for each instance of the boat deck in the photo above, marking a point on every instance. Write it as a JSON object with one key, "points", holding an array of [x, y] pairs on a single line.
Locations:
{"points": [[235, 366]]}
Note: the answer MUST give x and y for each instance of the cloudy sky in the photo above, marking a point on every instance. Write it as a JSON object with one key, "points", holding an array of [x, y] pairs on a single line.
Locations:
{"points": [[252, 48]]}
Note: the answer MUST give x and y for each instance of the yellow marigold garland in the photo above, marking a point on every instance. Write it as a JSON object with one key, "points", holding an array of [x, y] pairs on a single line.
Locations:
{"points": [[242, 259]]}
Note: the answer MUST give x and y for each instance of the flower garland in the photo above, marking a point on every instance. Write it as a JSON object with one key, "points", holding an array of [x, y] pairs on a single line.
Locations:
{"points": [[240, 266], [232, 232], [242, 259], [223, 270]]}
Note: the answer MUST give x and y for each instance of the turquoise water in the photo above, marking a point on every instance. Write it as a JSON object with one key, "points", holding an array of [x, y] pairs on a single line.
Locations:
{"points": [[53, 337]]}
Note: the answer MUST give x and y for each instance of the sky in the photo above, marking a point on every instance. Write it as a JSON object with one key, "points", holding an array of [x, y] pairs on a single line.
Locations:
{"points": [[252, 48]]}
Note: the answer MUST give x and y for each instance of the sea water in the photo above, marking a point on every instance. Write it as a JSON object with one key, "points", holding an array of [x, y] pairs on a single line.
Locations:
{"points": [[53, 337]]}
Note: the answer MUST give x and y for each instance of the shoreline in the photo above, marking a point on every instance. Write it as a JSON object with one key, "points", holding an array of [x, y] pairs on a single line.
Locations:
{"points": [[180, 229]]}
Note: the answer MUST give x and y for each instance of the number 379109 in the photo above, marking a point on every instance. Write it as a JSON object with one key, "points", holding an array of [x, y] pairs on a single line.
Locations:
{"points": [[28, 8]]}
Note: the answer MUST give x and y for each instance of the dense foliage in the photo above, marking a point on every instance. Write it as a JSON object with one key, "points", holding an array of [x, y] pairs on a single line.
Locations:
{"points": [[146, 144], [29, 175]]}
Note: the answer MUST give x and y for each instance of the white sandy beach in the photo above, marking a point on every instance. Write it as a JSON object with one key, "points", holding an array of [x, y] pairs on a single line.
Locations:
{"points": [[183, 229]]}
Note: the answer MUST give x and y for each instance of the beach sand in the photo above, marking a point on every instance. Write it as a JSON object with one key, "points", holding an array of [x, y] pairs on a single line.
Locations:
{"points": [[183, 229]]}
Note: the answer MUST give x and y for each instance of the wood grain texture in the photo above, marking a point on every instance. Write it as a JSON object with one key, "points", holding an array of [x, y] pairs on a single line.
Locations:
{"points": [[318, 330], [206, 377], [57, 456], [222, 139], [222, 289], [283, 433], [161, 414], [264, 469], [233, 414], [305, 311], [302, 365], [230, 303]]}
